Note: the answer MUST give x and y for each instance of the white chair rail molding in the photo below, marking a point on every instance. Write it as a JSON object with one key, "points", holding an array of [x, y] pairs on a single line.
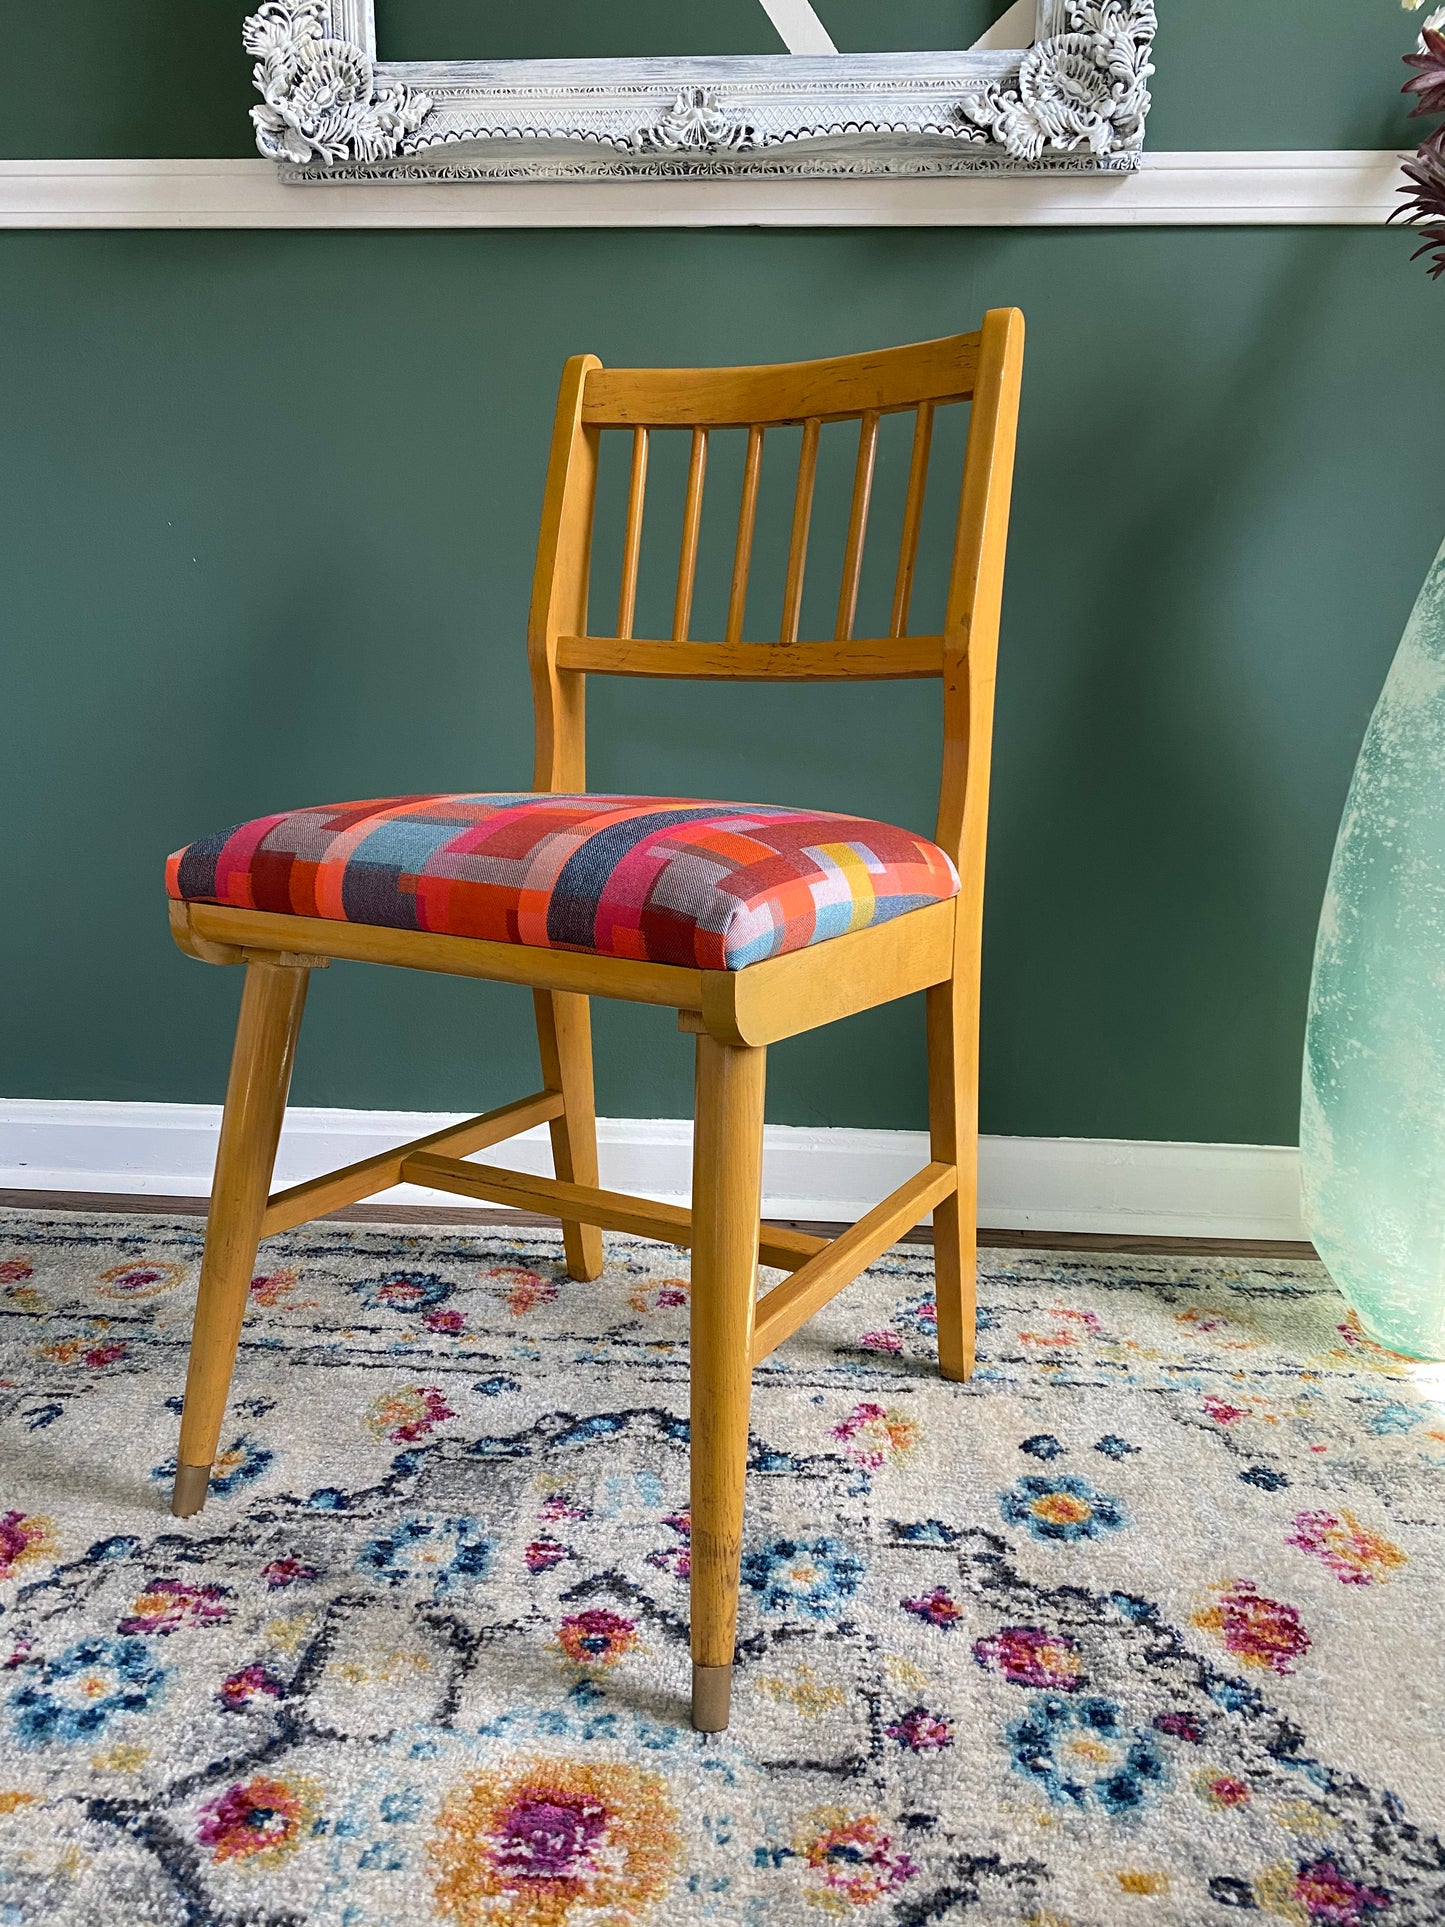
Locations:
{"points": [[1271, 188]]}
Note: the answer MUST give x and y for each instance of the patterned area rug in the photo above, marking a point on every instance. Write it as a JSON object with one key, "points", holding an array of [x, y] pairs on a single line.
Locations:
{"points": [[1144, 1624]]}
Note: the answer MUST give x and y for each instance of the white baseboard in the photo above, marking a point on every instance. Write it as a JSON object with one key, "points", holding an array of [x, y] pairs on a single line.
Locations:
{"points": [[1286, 187], [1025, 1184]]}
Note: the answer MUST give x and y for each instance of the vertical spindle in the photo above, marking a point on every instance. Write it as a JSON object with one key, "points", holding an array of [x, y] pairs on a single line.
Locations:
{"points": [[802, 517], [691, 526], [912, 519], [747, 520], [632, 540], [857, 526]]}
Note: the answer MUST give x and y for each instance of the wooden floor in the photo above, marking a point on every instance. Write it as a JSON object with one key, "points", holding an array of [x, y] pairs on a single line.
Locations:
{"points": [[477, 1216]]}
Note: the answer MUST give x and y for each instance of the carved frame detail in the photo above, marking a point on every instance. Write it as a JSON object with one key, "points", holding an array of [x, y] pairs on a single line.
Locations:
{"points": [[1075, 100]]}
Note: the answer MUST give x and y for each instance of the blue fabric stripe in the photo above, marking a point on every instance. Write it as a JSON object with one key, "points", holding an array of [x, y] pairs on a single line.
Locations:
{"points": [[572, 911], [403, 843], [196, 874]]}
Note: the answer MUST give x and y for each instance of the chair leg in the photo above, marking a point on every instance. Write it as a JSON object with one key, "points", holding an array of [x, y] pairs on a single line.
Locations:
{"points": [[271, 1004], [564, 1042], [953, 1135], [727, 1170]]}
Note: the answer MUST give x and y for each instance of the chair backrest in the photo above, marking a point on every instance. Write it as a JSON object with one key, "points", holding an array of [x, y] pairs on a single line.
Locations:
{"points": [[982, 368]]}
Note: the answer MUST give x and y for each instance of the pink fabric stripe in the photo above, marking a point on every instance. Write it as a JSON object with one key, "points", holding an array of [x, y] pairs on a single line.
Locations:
{"points": [[625, 892], [233, 865]]}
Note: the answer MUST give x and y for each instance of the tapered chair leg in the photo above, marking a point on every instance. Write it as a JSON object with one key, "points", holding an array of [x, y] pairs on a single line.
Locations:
{"points": [[953, 1135], [271, 1004], [564, 1042], [727, 1171]]}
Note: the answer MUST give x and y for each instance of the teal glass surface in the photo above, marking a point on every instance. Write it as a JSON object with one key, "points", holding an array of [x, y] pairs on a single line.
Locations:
{"points": [[1372, 1122]]}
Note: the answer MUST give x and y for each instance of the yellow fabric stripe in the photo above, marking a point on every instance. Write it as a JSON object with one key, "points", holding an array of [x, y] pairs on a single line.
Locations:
{"points": [[860, 882]]}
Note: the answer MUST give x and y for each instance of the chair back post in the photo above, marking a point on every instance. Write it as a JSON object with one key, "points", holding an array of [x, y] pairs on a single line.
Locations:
{"points": [[975, 598], [559, 587]]}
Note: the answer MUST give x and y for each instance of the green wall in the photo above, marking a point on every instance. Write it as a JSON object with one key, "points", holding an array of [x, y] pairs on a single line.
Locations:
{"points": [[266, 510]]}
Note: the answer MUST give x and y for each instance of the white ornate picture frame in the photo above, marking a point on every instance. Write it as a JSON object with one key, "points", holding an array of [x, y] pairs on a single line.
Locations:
{"points": [[1074, 100]]}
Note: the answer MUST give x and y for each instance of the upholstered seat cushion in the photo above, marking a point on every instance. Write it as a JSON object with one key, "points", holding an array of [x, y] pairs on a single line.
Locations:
{"points": [[714, 886]]}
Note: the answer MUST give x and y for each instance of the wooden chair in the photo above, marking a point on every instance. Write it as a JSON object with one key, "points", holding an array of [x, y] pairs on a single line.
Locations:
{"points": [[734, 1013]]}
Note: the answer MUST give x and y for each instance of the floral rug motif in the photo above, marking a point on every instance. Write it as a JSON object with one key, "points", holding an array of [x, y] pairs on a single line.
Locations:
{"points": [[1143, 1624]]}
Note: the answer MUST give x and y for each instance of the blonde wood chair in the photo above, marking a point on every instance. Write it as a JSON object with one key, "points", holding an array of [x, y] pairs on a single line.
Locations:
{"points": [[734, 1013]]}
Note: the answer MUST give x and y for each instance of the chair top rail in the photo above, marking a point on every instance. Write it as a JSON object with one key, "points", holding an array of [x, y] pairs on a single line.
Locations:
{"points": [[886, 659], [885, 382]]}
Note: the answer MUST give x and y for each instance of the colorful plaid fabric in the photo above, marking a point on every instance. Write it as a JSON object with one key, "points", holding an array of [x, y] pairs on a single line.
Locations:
{"points": [[714, 886]]}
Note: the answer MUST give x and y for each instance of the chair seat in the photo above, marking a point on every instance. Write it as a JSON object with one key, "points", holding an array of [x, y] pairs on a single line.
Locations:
{"points": [[665, 879]]}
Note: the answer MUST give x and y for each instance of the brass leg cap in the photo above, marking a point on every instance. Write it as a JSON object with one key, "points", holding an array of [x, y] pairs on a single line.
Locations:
{"points": [[712, 1691], [188, 1494]]}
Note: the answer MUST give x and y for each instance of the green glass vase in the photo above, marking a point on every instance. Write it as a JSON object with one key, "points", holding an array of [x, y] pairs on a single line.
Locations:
{"points": [[1372, 1119]]}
